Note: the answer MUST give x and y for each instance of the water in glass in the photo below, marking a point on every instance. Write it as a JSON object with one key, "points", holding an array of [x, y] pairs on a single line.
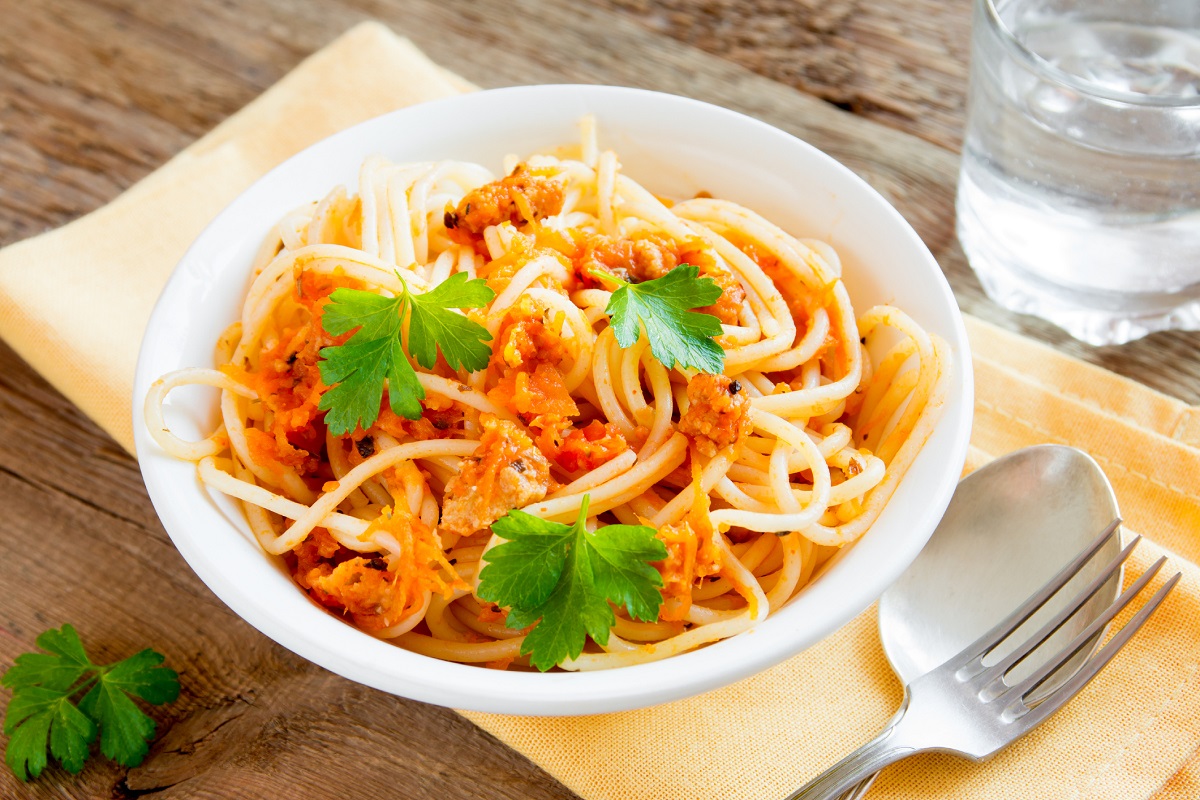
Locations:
{"points": [[1079, 197]]}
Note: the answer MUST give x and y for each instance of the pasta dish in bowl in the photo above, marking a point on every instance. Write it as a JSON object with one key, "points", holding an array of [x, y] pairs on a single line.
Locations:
{"points": [[587, 410]]}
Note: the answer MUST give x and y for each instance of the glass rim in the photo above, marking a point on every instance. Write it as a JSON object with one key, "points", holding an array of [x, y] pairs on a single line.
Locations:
{"points": [[1074, 82]]}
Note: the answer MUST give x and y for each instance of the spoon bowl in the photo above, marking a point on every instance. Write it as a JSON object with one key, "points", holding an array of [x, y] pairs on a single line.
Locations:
{"points": [[1009, 528]]}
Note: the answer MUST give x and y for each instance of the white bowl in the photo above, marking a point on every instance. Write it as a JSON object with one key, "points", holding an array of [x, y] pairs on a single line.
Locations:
{"points": [[676, 147]]}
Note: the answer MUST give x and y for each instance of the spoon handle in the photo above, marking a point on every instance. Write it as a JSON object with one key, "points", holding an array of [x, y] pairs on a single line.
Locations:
{"points": [[888, 747]]}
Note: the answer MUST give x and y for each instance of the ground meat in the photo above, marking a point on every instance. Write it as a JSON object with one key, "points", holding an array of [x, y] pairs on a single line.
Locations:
{"points": [[526, 356], [437, 424], [643, 258], [690, 557], [506, 472], [361, 588], [539, 398], [716, 415], [375, 591], [518, 198], [527, 339], [319, 551], [729, 304], [677, 570]]}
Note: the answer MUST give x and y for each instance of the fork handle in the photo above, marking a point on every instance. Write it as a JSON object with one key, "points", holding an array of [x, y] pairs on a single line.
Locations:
{"points": [[859, 790], [888, 747]]}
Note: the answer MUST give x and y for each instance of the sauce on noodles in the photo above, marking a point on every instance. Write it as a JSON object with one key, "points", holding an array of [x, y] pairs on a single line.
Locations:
{"points": [[753, 478]]}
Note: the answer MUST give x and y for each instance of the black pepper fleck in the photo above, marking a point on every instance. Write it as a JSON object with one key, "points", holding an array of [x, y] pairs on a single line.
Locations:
{"points": [[366, 446]]}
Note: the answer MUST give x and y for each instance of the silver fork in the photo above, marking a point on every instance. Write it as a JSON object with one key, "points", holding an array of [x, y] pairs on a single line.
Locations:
{"points": [[966, 707]]}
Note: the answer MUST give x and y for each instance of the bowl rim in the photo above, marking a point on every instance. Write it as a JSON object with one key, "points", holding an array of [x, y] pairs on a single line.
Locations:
{"points": [[557, 693]]}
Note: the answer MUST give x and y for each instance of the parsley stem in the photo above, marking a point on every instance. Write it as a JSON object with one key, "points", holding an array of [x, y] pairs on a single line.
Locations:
{"points": [[605, 275], [87, 684], [403, 282]]}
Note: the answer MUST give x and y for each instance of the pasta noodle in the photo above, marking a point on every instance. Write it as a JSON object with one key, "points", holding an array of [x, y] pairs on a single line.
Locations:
{"points": [[753, 478]]}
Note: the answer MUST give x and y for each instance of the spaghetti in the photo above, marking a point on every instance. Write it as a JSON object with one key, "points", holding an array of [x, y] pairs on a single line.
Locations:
{"points": [[753, 477]]}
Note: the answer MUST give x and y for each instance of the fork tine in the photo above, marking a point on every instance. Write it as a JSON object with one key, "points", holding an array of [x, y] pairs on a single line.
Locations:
{"points": [[1055, 661], [981, 646], [1056, 622], [1097, 662]]}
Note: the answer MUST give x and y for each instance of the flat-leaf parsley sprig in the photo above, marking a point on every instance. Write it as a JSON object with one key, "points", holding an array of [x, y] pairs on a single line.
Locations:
{"points": [[357, 369], [566, 576], [42, 714], [664, 306]]}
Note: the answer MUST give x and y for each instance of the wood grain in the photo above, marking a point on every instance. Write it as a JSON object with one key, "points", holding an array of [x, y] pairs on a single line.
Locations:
{"points": [[93, 96], [902, 64]]}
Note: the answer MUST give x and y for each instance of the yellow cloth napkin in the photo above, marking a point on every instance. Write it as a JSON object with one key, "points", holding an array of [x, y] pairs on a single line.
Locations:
{"points": [[73, 303]]}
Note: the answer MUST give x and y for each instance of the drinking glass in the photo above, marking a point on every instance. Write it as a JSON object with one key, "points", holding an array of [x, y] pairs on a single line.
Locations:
{"points": [[1079, 195]]}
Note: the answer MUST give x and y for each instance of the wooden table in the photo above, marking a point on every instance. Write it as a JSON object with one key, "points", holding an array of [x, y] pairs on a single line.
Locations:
{"points": [[93, 96]]}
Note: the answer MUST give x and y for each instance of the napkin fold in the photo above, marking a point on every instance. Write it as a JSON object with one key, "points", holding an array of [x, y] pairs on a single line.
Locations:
{"points": [[74, 302]]}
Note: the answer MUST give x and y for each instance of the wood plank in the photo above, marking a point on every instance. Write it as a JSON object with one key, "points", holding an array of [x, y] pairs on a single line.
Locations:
{"points": [[91, 105], [902, 64]]}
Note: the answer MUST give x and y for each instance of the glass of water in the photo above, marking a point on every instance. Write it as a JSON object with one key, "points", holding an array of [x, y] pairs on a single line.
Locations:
{"points": [[1079, 196]]}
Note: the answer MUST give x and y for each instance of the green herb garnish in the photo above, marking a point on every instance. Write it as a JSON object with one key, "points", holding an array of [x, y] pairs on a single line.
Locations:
{"points": [[566, 577], [358, 368], [42, 714], [663, 306]]}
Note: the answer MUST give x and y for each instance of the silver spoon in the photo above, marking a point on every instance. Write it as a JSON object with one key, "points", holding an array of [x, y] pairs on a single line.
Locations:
{"points": [[1010, 527]]}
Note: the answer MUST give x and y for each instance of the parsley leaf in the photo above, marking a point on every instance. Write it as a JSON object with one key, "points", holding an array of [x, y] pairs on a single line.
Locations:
{"points": [[432, 325], [663, 307], [566, 576], [66, 663], [41, 713], [35, 714], [358, 368], [124, 730]]}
